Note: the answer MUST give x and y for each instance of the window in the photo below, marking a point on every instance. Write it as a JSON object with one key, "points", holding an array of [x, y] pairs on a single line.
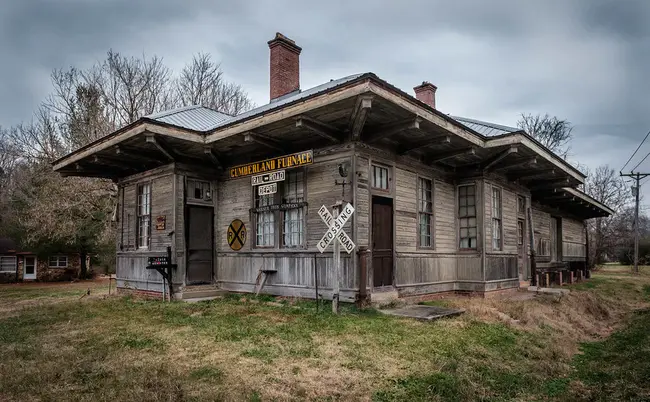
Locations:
{"points": [[198, 190], [521, 205], [294, 226], [265, 222], [285, 213], [496, 219], [520, 232], [425, 212], [144, 215], [380, 177], [58, 261], [8, 264], [467, 216], [543, 247]]}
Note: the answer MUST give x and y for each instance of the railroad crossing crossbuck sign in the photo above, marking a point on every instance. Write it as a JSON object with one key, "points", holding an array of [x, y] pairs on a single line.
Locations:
{"points": [[335, 228], [236, 235]]}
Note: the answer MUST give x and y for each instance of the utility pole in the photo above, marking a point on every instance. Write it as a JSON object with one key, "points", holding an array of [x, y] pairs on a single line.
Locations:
{"points": [[637, 191]]}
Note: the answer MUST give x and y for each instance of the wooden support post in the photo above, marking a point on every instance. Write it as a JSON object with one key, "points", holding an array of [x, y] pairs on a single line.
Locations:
{"points": [[561, 283], [531, 238], [337, 265], [363, 275], [548, 280]]}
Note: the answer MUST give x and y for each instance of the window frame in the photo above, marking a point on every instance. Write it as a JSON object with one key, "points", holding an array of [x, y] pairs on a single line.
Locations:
{"points": [[58, 257], [302, 222], [278, 238], [521, 200], [147, 184], [496, 216], [521, 237], [420, 180], [374, 165], [13, 268], [459, 218]]}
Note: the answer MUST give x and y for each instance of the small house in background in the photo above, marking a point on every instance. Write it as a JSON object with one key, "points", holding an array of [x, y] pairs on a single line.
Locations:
{"points": [[22, 265], [441, 203]]}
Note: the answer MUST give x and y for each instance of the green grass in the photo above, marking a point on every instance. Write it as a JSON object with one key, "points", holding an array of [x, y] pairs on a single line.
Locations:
{"points": [[243, 348]]}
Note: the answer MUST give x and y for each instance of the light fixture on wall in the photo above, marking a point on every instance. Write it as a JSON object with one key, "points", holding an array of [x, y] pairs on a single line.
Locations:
{"points": [[208, 195]]}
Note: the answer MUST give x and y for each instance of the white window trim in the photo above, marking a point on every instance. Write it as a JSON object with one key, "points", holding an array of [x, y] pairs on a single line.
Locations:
{"points": [[388, 177], [498, 190], [13, 269], [458, 217], [432, 214], [49, 261], [278, 236], [137, 215]]}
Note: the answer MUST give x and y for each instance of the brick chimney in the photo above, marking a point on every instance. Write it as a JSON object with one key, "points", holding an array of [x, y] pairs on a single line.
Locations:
{"points": [[426, 92], [285, 66]]}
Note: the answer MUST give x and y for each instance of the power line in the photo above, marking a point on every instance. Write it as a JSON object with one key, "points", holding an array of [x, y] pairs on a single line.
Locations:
{"points": [[635, 151], [644, 158]]}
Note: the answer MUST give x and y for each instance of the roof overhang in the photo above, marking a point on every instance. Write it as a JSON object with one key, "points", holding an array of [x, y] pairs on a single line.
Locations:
{"points": [[574, 201], [523, 139]]}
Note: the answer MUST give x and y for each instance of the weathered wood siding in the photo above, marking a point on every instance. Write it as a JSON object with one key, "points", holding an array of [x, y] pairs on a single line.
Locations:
{"points": [[406, 211], [234, 200], [362, 203], [322, 190], [542, 231], [508, 219], [132, 274], [573, 240], [294, 276], [131, 261], [445, 222]]}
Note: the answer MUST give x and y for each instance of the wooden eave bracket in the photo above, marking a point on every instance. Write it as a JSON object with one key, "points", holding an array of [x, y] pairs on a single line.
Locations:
{"points": [[392, 129], [446, 139], [442, 156], [498, 160], [316, 126], [359, 116], [263, 140], [213, 157], [161, 145]]}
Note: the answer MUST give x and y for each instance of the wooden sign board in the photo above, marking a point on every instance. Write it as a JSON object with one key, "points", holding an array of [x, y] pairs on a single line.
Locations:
{"points": [[281, 162], [160, 222], [267, 178]]}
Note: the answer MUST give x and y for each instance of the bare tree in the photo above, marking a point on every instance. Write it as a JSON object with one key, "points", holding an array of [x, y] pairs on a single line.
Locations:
{"points": [[201, 82], [132, 87], [606, 234], [553, 133]]}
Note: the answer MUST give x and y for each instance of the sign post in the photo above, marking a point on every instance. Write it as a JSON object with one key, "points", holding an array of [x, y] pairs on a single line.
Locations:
{"points": [[336, 233], [337, 268]]}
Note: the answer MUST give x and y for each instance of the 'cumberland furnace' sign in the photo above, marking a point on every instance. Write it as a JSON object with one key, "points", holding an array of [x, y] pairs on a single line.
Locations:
{"points": [[281, 162]]}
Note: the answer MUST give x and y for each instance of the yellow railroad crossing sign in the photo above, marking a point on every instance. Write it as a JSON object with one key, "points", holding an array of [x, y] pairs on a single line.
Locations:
{"points": [[236, 235]]}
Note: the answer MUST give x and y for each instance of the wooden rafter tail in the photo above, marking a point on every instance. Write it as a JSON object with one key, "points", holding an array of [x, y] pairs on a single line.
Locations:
{"points": [[161, 145], [408, 124], [498, 160]]}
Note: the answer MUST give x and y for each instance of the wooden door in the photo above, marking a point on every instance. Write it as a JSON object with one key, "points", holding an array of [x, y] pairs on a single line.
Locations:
{"points": [[29, 272], [199, 245], [382, 241], [553, 241]]}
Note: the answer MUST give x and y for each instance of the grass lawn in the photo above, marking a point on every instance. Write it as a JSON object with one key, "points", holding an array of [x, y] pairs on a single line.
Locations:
{"points": [[592, 344]]}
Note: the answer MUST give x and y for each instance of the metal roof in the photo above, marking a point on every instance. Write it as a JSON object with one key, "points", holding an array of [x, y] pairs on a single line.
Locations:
{"points": [[199, 118], [195, 117], [484, 127]]}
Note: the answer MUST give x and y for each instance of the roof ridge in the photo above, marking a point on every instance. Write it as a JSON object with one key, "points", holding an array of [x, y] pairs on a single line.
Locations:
{"points": [[170, 112], [486, 123]]}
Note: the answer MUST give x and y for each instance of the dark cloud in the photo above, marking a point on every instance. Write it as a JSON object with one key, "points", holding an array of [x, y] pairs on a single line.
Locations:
{"points": [[584, 60]]}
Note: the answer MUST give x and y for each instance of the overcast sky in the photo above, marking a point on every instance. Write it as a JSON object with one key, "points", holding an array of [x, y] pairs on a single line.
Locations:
{"points": [[586, 61]]}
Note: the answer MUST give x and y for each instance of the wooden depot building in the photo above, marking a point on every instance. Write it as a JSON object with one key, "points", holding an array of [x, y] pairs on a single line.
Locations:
{"points": [[441, 203]]}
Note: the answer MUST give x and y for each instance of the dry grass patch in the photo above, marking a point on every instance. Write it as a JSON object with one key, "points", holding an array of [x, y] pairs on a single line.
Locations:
{"points": [[247, 349]]}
